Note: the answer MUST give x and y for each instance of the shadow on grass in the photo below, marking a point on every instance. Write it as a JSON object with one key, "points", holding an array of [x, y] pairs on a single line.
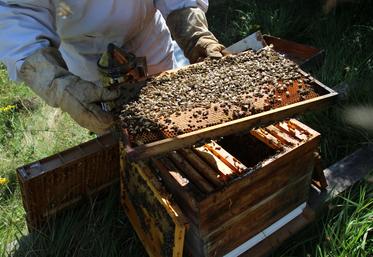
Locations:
{"points": [[97, 228]]}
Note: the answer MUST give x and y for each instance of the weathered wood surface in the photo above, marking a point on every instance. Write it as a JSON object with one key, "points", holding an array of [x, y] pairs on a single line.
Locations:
{"points": [[184, 195], [248, 223], [272, 242], [226, 157], [303, 55], [57, 182], [194, 175], [269, 140], [289, 164], [258, 217], [343, 174], [227, 217], [240, 204], [340, 177], [226, 173], [223, 218], [296, 52], [202, 167]]}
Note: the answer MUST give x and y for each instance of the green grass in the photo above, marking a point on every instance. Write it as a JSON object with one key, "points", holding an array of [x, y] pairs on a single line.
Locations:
{"points": [[29, 131], [32, 130], [344, 230], [97, 228], [349, 226]]}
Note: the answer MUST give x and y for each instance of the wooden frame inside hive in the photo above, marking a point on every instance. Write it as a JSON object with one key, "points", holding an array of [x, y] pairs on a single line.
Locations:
{"points": [[250, 190], [158, 222]]}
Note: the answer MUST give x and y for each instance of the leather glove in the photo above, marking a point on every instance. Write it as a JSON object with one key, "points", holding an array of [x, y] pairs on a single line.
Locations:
{"points": [[190, 30], [46, 73]]}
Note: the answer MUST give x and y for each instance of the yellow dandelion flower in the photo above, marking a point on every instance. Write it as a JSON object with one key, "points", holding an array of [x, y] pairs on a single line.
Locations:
{"points": [[7, 108], [3, 181]]}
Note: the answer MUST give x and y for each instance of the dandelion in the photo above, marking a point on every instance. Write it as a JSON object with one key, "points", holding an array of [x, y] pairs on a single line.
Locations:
{"points": [[3, 181], [7, 108]]}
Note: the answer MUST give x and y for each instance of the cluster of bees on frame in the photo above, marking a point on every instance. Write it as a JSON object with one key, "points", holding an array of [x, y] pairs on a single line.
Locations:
{"points": [[235, 86]]}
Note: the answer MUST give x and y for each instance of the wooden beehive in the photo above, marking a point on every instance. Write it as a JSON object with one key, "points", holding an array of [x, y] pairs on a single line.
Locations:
{"points": [[229, 190], [53, 184], [59, 181]]}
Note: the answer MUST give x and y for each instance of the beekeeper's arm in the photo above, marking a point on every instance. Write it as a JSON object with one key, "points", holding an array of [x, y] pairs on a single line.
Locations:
{"points": [[188, 25], [29, 49]]}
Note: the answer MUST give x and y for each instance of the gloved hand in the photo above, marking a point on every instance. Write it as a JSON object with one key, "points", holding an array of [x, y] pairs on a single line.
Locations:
{"points": [[190, 30], [46, 73]]}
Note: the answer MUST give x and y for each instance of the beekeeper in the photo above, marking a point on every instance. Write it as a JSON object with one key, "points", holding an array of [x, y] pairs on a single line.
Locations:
{"points": [[53, 45]]}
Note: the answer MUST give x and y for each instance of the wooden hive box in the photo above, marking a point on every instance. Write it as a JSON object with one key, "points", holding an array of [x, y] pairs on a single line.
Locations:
{"points": [[57, 182], [228, 190]]}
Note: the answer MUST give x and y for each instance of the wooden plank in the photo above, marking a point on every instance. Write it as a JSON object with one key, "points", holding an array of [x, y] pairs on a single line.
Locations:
{"points": [[265, 137], [252, 207], [258, 219], [267, 246], [70, 156], [228, 211], [339, 176], [284, 126], [231, 127], [179, 239], [201, 166], [225, 171], [226, 157], [299, 53], [281, 136], [225, 199], [299, 125], [342, 175], [194, 243], [191, 173], [184, 195]]}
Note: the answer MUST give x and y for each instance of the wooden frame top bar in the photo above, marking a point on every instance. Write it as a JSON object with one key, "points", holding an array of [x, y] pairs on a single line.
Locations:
{"points": [[228, 128]]}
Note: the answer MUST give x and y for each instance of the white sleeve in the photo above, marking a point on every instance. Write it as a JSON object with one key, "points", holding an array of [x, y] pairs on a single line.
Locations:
{"points": [[25, 26], [168, 6]]}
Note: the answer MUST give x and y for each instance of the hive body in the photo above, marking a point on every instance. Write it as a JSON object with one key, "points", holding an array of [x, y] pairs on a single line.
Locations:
{"points": [[207, 199], [55, 183], [233, 188]]}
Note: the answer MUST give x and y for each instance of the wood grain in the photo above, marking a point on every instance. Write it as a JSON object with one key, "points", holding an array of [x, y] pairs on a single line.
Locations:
{"points": [[202, 167], [239, 201], [195, 177], [225, 199], [258, 219], [185, 196]]}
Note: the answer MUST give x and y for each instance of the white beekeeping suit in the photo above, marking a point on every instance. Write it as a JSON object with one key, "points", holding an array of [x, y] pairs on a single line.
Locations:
{"points": [[54, 45]]}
